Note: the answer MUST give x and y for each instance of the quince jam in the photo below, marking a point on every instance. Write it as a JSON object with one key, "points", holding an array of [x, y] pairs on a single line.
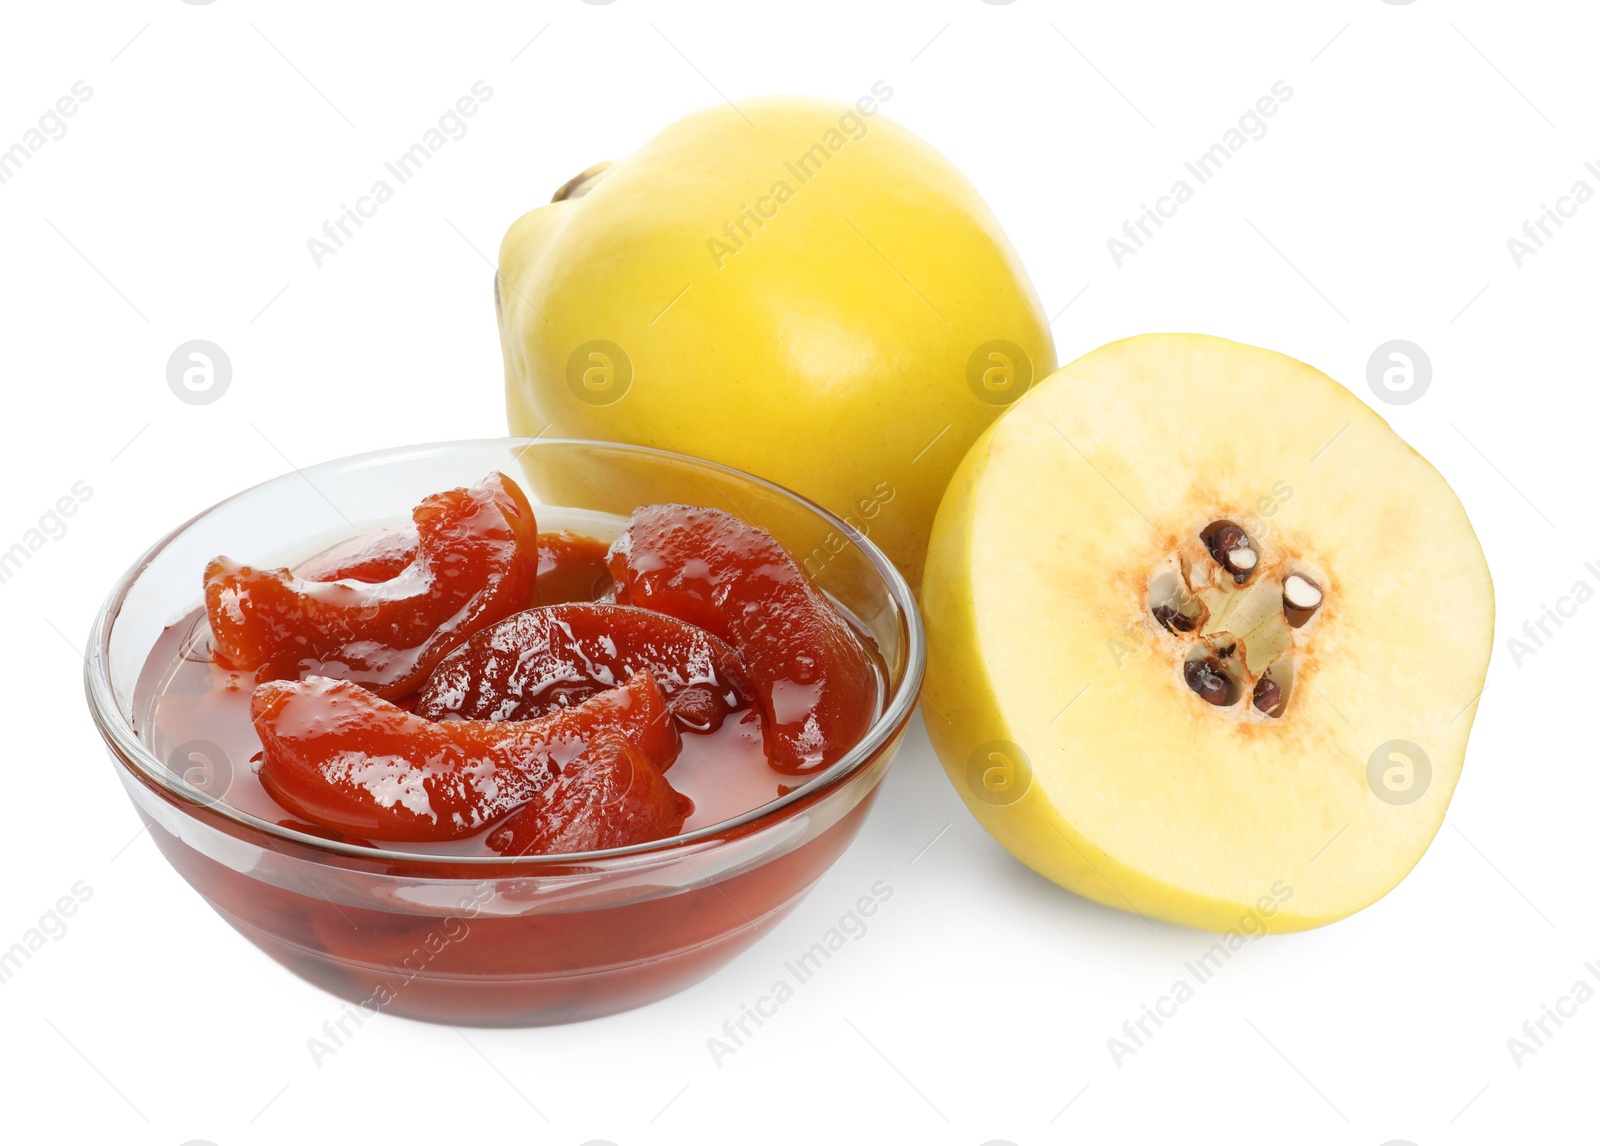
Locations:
{"points": [[471, 685]]}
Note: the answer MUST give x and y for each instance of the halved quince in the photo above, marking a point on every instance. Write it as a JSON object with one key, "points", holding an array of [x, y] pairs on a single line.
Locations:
{"points": [[1205, 637]]}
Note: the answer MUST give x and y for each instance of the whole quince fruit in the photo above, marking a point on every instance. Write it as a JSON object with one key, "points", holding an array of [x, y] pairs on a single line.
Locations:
{"points": [[797, 288]]}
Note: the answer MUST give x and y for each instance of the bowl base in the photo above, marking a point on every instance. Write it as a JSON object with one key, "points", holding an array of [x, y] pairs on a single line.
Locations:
{"points": [[507, 1001]]}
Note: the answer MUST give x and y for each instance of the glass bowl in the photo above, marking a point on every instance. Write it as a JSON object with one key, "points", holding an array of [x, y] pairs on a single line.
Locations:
{"points": [[489, 940]]}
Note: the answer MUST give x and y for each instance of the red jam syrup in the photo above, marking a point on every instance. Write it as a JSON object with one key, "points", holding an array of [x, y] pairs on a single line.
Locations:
{"points": [[458, 688]]}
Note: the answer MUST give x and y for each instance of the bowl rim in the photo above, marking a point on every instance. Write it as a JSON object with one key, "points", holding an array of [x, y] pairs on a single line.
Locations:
{"points": [[130, 749]]}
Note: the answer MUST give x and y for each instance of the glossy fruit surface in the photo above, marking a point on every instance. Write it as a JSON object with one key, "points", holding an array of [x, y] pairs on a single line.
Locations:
{"points": [[612, 798], [798, 288], [571, 567], [346, 760], [542, 660], [476, 561], [815, 682]]}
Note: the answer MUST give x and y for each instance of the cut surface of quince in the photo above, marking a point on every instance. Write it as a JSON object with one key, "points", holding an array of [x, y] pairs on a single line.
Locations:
{"points": [[1206, 637]]}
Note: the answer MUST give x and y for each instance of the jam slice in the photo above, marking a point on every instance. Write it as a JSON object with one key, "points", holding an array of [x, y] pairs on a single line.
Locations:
{"points": [[475, 563], [571, 567], [546, 659], [812, 677], [348, 761], [614, 798], [378, 556]]}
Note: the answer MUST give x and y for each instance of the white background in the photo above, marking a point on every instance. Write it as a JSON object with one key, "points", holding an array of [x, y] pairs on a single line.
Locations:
{"points": [[978, 1005]]}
